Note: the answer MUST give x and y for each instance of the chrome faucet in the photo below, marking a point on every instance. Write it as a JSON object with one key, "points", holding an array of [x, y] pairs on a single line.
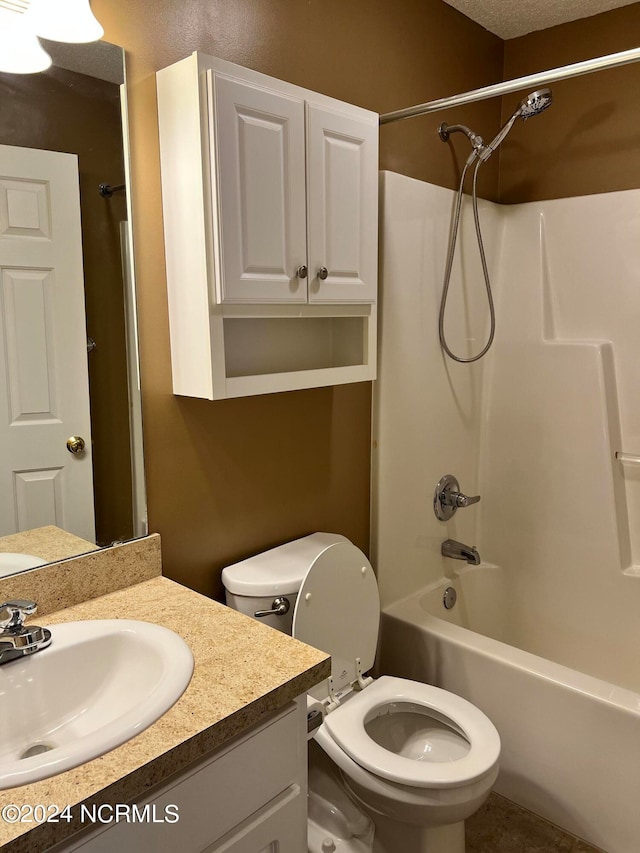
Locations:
{"points": [[460, 551], [17, 639]]}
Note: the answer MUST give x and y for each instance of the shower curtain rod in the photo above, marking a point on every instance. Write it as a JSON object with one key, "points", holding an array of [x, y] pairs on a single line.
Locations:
{"points": [[612, 60]]}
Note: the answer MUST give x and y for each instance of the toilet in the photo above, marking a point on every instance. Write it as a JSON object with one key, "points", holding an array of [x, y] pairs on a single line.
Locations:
{"points": [[414, 759]]}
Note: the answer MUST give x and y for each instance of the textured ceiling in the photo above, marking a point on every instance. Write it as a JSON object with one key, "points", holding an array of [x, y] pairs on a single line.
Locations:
{"points": [[511, 18], [96, 59]]}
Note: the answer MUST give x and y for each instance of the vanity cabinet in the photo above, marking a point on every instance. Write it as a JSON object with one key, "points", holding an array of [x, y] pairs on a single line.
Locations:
{"points": [[249, 797], [270, 202]]}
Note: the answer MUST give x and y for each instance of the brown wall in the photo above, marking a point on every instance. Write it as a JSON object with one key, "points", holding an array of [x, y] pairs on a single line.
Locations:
{"points": [[589, 140], [227, 479], [60, 110]]}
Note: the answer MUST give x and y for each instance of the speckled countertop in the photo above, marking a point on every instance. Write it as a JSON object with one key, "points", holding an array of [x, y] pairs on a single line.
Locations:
{"points": [[243, 671], [49, 543]]}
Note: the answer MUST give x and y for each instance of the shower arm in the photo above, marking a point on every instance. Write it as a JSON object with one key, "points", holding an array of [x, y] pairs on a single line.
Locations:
{"points": [[445, 130], [564, 72]]}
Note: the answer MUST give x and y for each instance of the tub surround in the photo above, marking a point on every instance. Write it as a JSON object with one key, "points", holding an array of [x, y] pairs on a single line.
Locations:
{"points": [[243, 672], [540, 418], [419, 393]]}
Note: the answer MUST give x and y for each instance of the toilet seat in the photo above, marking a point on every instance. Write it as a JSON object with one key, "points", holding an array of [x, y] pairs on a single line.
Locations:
{"points": [[338, 611], [346, 726]]}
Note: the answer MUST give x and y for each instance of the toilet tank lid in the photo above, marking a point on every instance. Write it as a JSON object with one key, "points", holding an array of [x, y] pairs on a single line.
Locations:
{"points": [[279, 571]]}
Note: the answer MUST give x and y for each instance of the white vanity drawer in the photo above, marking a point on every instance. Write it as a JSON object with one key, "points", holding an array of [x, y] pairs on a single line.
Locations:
{"points": [[255, 779], [279, 828]]}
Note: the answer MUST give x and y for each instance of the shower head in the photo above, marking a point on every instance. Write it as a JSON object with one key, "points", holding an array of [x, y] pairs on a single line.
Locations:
{"points": [[533, 104]]}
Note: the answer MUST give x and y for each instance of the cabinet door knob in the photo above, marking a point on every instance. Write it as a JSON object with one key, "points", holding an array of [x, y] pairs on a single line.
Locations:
{"points": [[302, 271], [323, 272]]}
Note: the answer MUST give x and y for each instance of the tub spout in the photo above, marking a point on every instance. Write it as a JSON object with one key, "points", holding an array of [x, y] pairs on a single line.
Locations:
{"points": [[460, 551]]}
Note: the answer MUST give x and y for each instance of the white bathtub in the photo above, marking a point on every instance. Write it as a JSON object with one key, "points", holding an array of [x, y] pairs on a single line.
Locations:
{"points": [[571, 742]]}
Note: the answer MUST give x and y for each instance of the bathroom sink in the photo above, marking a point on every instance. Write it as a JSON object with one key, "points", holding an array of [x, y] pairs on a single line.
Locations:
{"points": [[10, 563], [97, 685]]}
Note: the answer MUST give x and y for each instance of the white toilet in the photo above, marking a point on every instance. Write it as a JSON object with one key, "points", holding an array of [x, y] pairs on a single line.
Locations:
{"points": [[416, 759]]}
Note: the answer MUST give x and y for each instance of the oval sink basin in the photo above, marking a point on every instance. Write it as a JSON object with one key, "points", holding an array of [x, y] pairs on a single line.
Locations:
{"points": [[10, 563], [97, 685]]}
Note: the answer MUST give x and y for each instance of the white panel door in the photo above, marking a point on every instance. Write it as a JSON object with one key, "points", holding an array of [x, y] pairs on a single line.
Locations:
{"points": [[44, 390], [259, 137], [343, 207]]}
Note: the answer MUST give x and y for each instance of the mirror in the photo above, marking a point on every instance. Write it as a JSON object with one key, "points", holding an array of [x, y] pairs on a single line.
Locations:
{"points": [[71, 463]]}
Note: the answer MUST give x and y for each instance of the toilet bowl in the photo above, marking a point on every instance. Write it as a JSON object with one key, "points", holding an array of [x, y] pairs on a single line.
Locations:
{"points": [[416, 759]]}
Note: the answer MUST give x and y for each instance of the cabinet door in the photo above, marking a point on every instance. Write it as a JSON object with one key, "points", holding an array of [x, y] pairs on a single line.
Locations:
{"points": [[247, 798], [342, 207], [280, 828], [260, 204]]}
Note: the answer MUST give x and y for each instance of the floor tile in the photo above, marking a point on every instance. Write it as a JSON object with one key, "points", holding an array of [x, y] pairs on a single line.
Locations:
{"points": [[501, 826], [583, 847]]}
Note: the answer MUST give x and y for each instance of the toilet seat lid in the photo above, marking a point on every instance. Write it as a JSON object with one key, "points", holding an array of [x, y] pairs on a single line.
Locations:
{"points": [[338, 612], [346, 726]]}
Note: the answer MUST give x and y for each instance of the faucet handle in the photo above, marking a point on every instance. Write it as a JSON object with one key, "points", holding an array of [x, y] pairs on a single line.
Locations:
{"points": [[448, 498], [14, 612], [466, 500]]}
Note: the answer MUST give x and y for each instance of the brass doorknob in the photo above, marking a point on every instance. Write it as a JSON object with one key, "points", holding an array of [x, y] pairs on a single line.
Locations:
{"points": [[75, 444]]}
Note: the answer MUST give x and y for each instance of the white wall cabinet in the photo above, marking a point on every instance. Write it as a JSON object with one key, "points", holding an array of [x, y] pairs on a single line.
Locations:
{"points": [[249, 797], [270, 200]]}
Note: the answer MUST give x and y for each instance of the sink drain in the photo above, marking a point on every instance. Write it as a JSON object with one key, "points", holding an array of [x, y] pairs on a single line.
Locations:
{"points": [[36, 749]]}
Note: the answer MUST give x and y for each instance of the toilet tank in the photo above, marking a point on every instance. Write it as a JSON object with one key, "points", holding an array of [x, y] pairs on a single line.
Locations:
{"points": [[253, 584]]}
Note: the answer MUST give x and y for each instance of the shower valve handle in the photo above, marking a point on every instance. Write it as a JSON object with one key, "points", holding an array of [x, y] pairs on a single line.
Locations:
{"points": [[460, 500], [448, 498]]}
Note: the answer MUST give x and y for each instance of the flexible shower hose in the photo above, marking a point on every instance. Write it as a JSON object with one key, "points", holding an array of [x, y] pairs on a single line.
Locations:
{"points": [[449, 267]]}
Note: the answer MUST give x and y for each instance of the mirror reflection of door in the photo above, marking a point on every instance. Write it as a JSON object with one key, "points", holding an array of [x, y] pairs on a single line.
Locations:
{"points": [[46, 478], [75, 108]]}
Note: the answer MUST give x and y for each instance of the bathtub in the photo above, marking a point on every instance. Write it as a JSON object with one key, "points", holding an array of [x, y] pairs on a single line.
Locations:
{"points": [[570, 741]]}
